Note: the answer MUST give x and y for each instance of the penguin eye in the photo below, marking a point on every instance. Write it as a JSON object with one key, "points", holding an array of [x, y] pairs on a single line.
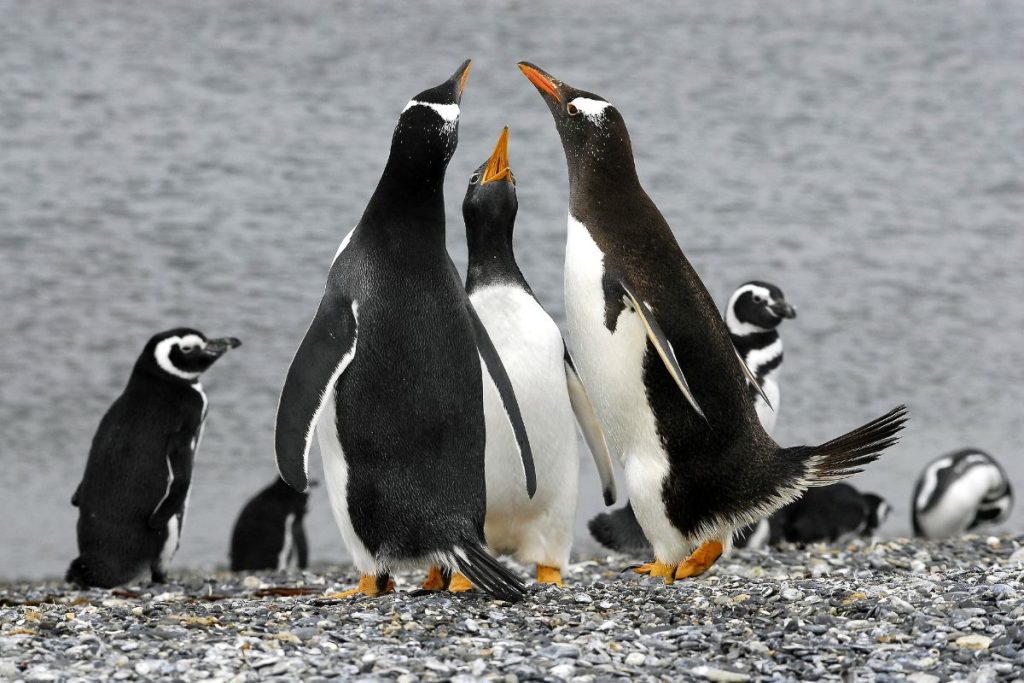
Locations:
{"points": [[474, 179], [572, 109], [187, 348], [758, 299]]}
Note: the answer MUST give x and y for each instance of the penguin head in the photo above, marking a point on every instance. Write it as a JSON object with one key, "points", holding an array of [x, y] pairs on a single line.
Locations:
{"points": [[183, 354], [995, 508], [428, 128], [490, 203], [757, 307], [593, 133], [877, 512]]}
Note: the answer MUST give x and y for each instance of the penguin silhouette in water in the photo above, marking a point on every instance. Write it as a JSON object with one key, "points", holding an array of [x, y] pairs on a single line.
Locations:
{"points": [[132, 500], [752, 316], [666, 381], [389, 375], [959, 492], [536, 531], [269, 533]]}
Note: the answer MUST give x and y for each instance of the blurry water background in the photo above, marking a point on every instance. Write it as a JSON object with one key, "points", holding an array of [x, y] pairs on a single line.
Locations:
{"points": [[182, 163]]}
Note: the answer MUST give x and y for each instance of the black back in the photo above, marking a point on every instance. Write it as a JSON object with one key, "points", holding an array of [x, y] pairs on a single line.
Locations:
{"points": [[126, 475], [409, 409], [258, 538]]}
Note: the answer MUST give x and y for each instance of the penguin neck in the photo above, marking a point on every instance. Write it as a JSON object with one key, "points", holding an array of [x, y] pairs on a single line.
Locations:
{"points": [[408, 198], [603, 168], [754, 341], [491, 258]]}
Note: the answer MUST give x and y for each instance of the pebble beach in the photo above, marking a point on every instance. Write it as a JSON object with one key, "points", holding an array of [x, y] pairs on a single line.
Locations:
{"points": [[893, 610]]}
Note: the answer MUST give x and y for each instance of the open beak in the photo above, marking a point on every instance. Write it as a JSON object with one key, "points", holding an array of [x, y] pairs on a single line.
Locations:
{"points": [[459, 77], [541, 80], [218, 347], [497, 166]]}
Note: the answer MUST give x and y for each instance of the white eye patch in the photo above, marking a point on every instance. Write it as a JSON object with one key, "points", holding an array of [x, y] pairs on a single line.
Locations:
{"points": [[162, 353], [449, 113], [592, 109]]}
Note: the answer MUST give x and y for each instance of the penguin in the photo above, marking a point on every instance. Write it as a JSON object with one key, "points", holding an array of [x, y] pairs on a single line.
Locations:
{"points": [[269, 533], [755, 311], [666, 381], [539, 530], [752, 316], [830, 514], [958, 492], [133, 497], [388, 376]]}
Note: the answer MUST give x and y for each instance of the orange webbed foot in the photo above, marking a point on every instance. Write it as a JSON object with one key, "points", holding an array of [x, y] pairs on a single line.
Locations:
{"points": [[549, 575], [436, 580], [657, 569], [700, 561], [460, 584], [369, 585]]}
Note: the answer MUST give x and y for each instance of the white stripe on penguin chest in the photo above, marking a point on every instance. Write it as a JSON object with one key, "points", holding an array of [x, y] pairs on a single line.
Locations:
{"points": [[611, 365]]}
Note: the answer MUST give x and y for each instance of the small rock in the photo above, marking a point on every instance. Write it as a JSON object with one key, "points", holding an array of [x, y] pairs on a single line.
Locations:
{"points": [[722, 675], [635, 659], [921, 677], [974, 642]]}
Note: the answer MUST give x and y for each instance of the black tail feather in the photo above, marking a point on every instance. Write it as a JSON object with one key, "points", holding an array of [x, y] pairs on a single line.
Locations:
{"points": [[619, 530], [490, 574], [848, 454]]}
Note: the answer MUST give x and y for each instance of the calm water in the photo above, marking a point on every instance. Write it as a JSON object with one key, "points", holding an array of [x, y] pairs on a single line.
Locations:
{"points": [[180, 163]]}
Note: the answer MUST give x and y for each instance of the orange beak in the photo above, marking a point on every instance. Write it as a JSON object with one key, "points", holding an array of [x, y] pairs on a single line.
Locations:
{"points": [[462, 80], [497, 166], [541, 80]]}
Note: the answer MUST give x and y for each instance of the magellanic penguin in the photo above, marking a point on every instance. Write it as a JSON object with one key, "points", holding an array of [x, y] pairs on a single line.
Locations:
{"points": [[536, 530], [755, 311], [268, 533], [752, 316], [656, 358], [132, 500], [389, 375], [958, 492]]}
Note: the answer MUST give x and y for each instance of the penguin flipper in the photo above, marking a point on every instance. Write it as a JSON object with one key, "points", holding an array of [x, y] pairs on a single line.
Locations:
{"points": [[179, 467], [76, 496], [499, 376], [301, 545], [324, 353], [661, 344], [591, 428], [753, 380]]}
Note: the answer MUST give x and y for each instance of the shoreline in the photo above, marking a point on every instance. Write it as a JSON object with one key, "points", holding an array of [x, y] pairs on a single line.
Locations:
{"points": [[898, 609]]}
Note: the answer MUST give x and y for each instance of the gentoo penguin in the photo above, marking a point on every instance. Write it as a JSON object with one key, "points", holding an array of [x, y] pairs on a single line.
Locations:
{"points": [[755, 311], [269, 533], [536, 531], [959, 492], [389, 375], [132, 500], [752, 316], [656, 358]]}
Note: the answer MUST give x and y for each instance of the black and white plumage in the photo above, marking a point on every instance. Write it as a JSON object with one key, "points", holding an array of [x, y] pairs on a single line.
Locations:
{"points": [[268, 533], [958, 492], [134, 494], [657, 360], [753, 314], [389, 376], [538, 530]]}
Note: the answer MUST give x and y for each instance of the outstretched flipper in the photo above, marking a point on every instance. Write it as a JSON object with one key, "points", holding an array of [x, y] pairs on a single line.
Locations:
{"points": [[753, 380], [661, 344], [591, 428], [326, 350], [179, 468], [496, 369]]}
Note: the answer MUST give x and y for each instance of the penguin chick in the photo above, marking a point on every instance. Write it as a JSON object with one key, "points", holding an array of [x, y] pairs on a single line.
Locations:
{"points": [[536, 531], [958, 492], [133, 497], [666, 381], [268, 533]]}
